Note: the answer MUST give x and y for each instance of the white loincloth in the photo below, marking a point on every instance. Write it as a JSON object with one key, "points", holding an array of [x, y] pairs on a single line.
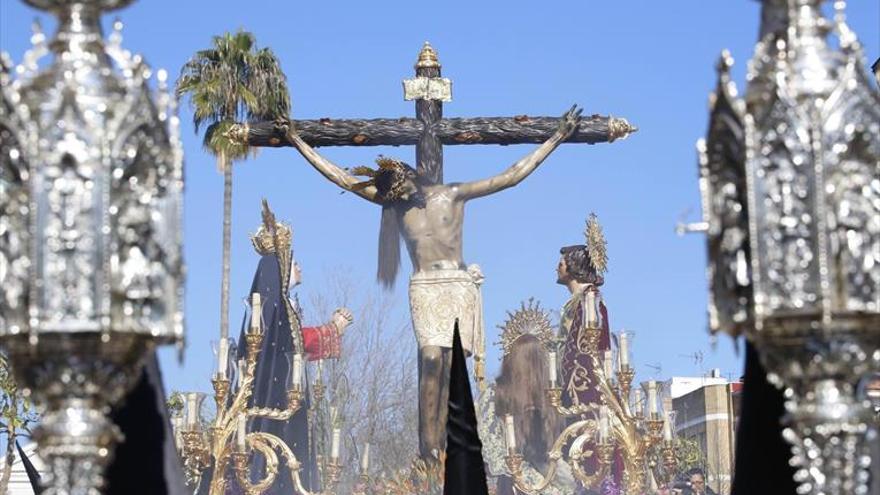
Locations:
{"points": [[438, 298]]}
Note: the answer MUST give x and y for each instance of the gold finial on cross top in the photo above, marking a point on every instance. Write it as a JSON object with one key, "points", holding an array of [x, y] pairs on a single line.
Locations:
{"points": [[427, 58]]}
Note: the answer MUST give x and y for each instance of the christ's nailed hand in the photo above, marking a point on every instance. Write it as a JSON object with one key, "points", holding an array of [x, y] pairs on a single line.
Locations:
{"points": [[284, 127], [569, 122]]}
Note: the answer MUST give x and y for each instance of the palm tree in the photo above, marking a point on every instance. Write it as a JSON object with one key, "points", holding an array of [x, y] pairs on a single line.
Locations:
{"points": [[227, 83]]}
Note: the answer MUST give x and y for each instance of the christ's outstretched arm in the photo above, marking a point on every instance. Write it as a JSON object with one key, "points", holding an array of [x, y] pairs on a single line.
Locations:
{"points": [[331, 171], [525, 166]]}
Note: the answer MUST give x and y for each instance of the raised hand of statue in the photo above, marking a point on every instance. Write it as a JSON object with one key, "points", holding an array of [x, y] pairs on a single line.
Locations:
{"points": [[569, 122], [342, 318]]}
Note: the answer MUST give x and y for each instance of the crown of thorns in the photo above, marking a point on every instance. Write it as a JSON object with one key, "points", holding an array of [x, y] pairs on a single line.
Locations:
{"points": [[392, 170]]}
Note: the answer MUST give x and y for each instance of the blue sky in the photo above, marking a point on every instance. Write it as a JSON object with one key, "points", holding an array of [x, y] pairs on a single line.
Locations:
{"points": [[648, 61]]}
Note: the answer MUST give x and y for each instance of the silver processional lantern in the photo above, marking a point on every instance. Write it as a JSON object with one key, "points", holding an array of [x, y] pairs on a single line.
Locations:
{"points": [[90, 238], [790, 179]]}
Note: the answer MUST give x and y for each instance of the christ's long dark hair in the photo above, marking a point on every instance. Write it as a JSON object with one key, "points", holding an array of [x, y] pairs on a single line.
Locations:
{"points": [[389, 246], [388, 183], [520, 392]]}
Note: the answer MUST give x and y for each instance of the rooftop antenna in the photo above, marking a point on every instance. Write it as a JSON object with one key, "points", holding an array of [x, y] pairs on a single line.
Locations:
{"points": [[697, 357], [657, 367]]}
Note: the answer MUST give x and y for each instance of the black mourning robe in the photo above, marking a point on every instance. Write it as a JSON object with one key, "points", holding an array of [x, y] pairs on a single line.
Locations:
{"points": [[146, 461], [762, 454], [30, 470], [271, 379], [465, 473]]}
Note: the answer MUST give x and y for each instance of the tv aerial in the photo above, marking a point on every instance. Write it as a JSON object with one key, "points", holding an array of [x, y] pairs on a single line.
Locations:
{"points": [[696, 356], [656, 367]]}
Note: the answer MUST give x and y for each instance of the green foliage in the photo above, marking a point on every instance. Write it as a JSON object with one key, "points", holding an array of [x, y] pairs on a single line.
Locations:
{"points": [[15, 409], [229, 82], [175, 403], [688, 454]]}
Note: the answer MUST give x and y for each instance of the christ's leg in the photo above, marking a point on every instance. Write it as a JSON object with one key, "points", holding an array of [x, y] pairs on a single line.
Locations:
{"points": [[434, 366]]}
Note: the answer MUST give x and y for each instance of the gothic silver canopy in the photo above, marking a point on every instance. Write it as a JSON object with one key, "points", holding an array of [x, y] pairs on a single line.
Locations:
{"points": [[790, 181], [91, 274], [91, 182], [798, 158]]}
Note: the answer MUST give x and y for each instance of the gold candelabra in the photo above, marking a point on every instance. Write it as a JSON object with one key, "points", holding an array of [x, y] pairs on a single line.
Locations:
{"points": [[226, 442], [602, 429]]}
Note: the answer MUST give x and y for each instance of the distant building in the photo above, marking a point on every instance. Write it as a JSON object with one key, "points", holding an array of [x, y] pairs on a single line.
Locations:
{"points": [[18, 481], [706, 410], [678, 386]]}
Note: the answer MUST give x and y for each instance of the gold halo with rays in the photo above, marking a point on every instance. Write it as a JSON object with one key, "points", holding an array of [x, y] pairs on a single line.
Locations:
{"points": [[597, 247], [529, 319]]}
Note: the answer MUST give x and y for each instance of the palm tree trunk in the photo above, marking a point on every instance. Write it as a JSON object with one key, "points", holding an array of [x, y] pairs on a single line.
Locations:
{"points": [[226, 166], [10, 458]]}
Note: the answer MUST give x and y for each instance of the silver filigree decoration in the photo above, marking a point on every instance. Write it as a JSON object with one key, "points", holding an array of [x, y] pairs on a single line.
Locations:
{"points": [[779, 165], [812, 167], [723, 192], [91, 273]]}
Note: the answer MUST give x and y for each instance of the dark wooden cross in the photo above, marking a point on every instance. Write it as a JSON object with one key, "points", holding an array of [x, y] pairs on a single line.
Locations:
{"points": [[429, 131]]}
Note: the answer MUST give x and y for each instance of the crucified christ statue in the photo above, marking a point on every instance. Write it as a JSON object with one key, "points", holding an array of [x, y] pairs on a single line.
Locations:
{"points": [[443, 291]]}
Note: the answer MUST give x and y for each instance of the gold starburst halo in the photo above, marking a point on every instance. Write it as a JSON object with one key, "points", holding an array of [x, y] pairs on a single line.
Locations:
{"points": [[529, 319], [597, 247]]}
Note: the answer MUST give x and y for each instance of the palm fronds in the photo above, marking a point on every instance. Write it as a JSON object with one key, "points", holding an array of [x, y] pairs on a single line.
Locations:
{"points": [[233, 81]]}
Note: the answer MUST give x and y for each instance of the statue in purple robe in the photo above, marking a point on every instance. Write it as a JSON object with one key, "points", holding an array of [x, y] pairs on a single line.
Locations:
{"points": [[581, 269]]}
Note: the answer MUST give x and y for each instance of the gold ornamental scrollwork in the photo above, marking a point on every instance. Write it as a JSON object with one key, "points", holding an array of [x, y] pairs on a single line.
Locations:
{"points": [[634, 436], [222, 445]]}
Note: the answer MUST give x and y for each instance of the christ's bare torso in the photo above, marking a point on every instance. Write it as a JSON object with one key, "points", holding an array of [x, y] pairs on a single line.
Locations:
{"points": [[433, 232]]}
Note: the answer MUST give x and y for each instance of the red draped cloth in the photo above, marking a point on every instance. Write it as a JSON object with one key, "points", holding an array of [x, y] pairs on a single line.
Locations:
{"points": [[578, 372], [321, 342]]}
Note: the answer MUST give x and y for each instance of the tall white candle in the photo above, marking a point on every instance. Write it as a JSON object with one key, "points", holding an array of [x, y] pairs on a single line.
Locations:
{"points": [[222, 357], [510, 433], [551, 362], [177, 426], [592, 315], [241, 433], [192, 410], [618, 363], [652, 397], [638, 402], [604, 424], [296, 372], [334, 444], [623, 345], [365, 459], [256, 312], [608, 365], [667, 428]]}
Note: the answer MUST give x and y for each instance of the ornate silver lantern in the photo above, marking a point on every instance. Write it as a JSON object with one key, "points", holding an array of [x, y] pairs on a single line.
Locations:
{"points": [[90, 237], [790, 178]]}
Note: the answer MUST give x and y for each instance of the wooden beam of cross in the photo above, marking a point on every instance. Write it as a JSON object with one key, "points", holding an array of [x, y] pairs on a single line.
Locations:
{"points": [[429, 131]]}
